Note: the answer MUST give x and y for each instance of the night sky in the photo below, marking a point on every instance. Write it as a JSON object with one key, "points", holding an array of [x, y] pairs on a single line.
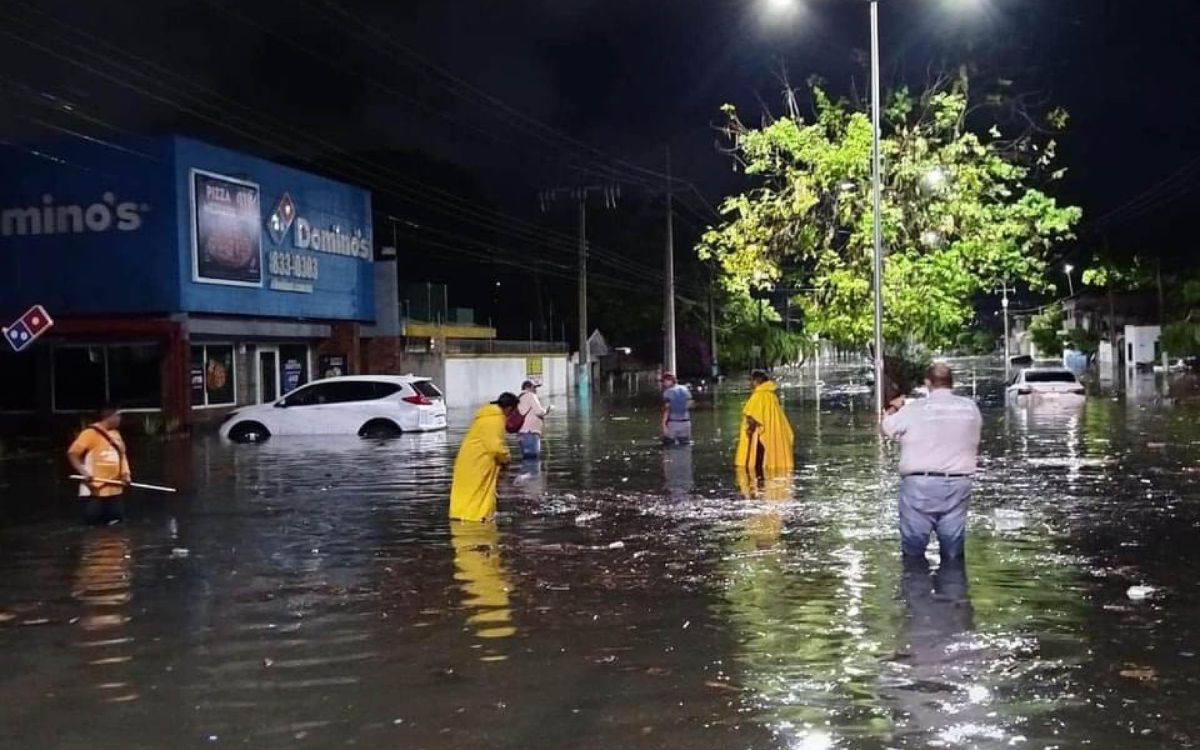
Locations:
{"points": [[492, 102]]}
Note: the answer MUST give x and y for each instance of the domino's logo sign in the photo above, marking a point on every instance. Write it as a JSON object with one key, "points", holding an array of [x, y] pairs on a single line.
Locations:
{"points": [[27, 328]]}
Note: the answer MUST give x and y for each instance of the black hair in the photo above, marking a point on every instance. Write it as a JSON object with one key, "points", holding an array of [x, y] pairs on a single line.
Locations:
{"points": [[526, 385], [507, 401], [760, 375], [108, 410]]}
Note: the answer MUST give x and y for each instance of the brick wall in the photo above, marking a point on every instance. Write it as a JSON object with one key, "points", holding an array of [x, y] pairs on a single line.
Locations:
{"points": [[344, 339], [383, 355]]}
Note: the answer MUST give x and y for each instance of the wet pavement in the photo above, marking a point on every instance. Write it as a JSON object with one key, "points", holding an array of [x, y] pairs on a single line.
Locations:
{"points": [[311, 593]]}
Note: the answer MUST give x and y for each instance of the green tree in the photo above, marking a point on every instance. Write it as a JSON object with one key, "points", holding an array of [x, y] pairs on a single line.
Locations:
{"points": [[976, 341], [1122, 275], [1182, 338], [1084, 340], [1045, 330], [960, 213], [750, 335]]}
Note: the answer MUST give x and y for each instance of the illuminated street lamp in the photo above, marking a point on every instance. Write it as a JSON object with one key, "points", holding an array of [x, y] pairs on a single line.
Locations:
{"points": [[934, 179], [1067, 269], [779, 8]]}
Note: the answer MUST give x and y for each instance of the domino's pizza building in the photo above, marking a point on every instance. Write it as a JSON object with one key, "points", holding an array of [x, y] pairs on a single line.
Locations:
{"points": [[183, 279]]}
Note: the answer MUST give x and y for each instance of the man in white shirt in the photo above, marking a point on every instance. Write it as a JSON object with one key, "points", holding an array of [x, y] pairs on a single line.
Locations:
{"points": [[530, 434], [939, 444]]}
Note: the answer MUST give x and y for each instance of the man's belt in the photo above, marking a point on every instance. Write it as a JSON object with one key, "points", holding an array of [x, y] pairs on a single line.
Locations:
{"points": [[678, 420], [938, 474]]}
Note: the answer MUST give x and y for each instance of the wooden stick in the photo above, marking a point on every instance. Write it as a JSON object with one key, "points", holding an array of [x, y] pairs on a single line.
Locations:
{"points": [[138, 485]]}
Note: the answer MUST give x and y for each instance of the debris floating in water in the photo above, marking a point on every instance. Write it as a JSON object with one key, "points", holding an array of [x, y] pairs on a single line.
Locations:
{"points": [[1008, 520], [588, 517], [617, 545], [179, 552], [1139, 592]]}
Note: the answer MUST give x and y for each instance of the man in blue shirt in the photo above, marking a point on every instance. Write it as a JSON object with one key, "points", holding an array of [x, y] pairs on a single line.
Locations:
{"points": [[676, 421]]}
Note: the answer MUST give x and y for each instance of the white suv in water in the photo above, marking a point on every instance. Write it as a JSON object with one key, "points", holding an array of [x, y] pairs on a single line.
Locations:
{"points": [[365, 405], [1044, 383]]}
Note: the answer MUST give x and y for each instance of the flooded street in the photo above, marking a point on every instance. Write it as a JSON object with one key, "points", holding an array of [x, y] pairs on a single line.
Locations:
{"points": [[311, 593]]}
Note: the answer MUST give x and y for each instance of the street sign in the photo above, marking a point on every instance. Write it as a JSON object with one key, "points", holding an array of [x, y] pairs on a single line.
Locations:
{"points": [[28, 327]]}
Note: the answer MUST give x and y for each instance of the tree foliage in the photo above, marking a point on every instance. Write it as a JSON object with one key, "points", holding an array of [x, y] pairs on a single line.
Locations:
{"points": [[748, 341], [976, 341], [1045, 329], [1182, 338], [960, 213], [1124, 275]]}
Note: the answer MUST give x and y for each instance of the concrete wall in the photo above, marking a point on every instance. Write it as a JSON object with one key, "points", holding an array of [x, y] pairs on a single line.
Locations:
{"points": [[386, 356], [1139, 344], [475, 380]]}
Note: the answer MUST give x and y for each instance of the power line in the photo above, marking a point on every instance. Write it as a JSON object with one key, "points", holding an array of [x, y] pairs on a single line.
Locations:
{"points": [[449, 205], [1154, 197], [454, 84]]}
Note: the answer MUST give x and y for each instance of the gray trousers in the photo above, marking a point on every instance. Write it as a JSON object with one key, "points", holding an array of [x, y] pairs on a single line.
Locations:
{"points": [[677, 432], [933, 504]]}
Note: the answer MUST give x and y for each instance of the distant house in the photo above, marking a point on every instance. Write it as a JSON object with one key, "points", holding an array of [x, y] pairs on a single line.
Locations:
{"points": [[1092, 312], [1113, 318], [597, 346]]}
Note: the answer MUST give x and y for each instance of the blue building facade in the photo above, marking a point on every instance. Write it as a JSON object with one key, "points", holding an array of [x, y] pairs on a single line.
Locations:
{"points": [[182, 276]]}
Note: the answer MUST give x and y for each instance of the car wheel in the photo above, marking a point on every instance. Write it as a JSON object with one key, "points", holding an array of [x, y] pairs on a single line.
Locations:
{"points": [[248, 432], [379, 429]]}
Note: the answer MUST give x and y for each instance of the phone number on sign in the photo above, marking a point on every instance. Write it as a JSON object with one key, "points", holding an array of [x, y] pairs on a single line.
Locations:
{"points": [[294, 265]]}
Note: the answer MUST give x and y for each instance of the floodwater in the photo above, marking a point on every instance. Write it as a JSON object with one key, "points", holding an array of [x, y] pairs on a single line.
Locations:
{"points": [[311, 593]]}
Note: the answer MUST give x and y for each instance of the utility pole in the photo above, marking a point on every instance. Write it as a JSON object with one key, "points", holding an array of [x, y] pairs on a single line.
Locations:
{"points": [[877, 211], [1004, 305], [1162, 316], [584, 366], [669, 361], [610, 194], [712, 328]]}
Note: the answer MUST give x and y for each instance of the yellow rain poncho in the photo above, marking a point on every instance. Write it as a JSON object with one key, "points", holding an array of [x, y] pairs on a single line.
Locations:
{"points": [[772, 434], [477, 467]]}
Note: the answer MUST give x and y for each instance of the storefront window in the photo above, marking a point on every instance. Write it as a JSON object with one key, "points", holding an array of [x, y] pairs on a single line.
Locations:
{"points": [[79, 378], [18, 372], [88, 377], [212, 375], [135, 376]]}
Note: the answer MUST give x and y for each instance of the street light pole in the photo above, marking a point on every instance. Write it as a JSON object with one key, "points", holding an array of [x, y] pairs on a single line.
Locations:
{"points": [[1070, 282], [876, 199], [669, 363], [1004, 304]]}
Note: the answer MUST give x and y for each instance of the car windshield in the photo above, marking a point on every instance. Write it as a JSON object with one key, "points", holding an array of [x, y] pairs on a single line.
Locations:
{"points": [[1049, 376], [426, 388]]}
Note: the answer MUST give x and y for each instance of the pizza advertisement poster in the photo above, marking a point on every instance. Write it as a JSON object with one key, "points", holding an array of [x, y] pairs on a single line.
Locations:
{"points": [[226, 230]]}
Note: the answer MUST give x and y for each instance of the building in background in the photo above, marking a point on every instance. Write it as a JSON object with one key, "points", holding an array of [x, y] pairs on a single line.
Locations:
{"points": [[183, 277], [186, 279]]}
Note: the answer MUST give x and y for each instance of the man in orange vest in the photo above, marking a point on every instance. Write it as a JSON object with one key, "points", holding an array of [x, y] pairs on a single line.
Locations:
{"points": [[99, 454]]}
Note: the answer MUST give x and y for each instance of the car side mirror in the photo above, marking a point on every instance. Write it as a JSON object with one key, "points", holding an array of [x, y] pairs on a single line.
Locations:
{"points": [[281, 404]]}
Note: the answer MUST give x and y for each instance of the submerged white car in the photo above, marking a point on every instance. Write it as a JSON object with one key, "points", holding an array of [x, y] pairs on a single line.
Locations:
{"points": [[374, 406], [1045, 383]]}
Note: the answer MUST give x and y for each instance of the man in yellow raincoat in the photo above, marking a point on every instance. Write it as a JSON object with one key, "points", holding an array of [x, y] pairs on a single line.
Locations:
{"points": [[765, 440], [480, 457]]}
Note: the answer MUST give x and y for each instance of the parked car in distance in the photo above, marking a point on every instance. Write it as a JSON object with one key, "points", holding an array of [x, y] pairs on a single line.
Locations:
{"points": [[375, 406], [1045, 383]]}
